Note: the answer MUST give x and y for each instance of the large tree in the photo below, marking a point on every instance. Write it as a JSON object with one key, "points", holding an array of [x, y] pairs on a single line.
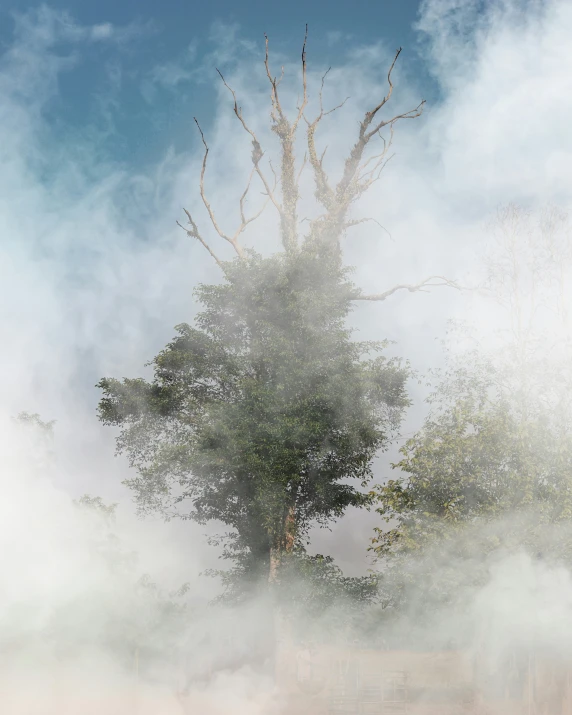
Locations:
{"points": [[266, 414], [262, 415]]}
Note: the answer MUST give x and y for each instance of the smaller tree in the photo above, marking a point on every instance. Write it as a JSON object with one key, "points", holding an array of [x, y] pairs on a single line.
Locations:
{"points": [[126, 614], [491, 467], [477, 458]]}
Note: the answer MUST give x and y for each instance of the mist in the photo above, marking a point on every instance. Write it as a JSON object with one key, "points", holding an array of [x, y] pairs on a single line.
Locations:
{"points": [[95, 274]]}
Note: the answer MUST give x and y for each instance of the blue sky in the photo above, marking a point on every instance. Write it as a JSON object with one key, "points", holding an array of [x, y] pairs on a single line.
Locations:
{"points": [[107, 91]]}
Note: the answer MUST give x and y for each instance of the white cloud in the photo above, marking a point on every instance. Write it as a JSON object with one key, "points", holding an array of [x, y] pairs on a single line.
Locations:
{"points": [[102, 32]]}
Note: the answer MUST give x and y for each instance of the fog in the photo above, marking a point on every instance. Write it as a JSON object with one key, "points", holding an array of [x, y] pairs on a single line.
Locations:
{"points": [[95, 273]]}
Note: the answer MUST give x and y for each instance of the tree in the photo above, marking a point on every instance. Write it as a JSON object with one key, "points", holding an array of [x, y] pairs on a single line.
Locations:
{"points": [[491, 468], [266, 412], [478, 457], [260, 415]]}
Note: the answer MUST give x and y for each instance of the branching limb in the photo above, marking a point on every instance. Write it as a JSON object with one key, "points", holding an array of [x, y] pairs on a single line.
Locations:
{"points": [[386, 145], [244, 221], [366, 177], [232, 240], [285, 131], [431, 282], [348, 185], [324, 193], [257, 152], [358, 173], [370, 116], [193, 232]]}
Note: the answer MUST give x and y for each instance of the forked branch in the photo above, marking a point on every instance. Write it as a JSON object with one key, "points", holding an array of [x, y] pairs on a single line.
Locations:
{"points": [[234, 239], [359, 173], [244, 220], [193, 231], [366, 219], [323, 193], [349, 186], [257, 152]]}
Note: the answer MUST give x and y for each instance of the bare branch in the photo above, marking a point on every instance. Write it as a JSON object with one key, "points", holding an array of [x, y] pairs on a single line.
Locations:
{"points": [[359, 173], [363, 184], [411, 114], [302, 106], [285, 131], [276, 105], [377, 158], [431, 282], [193, 232], [369, 117], [348, 187], [233, 242], [246, 221], [323, 193], [257, 152], [356, 222], [244, 195]]}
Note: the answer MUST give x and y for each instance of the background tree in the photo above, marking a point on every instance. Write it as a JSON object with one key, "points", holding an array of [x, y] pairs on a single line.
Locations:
{"points": [[126, 617], [491, 467], [109, 609], [265, 414]]}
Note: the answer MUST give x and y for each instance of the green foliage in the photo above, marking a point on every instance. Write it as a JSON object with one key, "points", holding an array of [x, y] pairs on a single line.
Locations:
{"points": [[36, 438], [480, 454], [266, 412], [34, 421], [320, 601], [489, 473], [97, 506]]}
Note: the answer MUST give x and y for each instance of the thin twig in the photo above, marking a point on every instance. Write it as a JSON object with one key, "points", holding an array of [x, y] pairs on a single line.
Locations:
{"points": [[412, 288], [302, 106], [356, 222]]}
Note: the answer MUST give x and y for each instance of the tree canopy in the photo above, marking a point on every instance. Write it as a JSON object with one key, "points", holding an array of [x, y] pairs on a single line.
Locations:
{"points": [[264, 414], [479, 455]]}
